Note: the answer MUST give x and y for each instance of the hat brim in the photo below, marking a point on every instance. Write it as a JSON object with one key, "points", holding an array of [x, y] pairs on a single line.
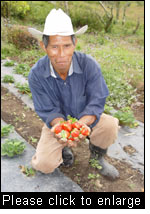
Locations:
{"points": [[38, 34]]}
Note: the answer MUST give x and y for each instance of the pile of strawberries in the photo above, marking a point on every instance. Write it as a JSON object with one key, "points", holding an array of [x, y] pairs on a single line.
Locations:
{"points": [[71, 130]]}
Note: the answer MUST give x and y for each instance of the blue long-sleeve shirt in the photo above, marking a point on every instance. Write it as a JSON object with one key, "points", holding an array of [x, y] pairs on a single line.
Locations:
{"points": [[82, 93]]}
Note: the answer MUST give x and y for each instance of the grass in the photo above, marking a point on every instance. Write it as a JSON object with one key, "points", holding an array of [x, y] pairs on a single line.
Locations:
{"points": [[119, 65]]}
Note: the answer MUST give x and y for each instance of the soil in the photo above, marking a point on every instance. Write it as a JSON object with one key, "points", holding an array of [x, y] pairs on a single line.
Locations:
{"points": [[28, 125]]}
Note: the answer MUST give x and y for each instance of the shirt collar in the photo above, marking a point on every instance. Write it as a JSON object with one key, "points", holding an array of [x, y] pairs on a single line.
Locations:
{"points": [[74, 68], [52, 72]]}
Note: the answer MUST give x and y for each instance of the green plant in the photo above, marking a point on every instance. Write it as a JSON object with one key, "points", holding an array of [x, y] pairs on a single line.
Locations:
{"points": [[108, 109], [34, 140], [12, 147], [5, 130], [8, 79], [22, 69], [93, 176], [28, 171], [9, 63], [24, 88], [14, 8], [126, 117], [9, 50], [95, 164]]}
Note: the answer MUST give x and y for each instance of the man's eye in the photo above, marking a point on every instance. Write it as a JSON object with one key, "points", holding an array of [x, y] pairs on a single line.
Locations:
{"points": [[54, 47], [67, 46]]}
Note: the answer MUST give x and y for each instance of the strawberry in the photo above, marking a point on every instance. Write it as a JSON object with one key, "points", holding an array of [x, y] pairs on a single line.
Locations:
{"points": [[75, 132], [67, 126], [65, 134], [58, 129], [76, 125], [85, 131]]}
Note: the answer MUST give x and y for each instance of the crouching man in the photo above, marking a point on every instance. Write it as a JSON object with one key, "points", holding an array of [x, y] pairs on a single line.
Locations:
{"points": [[66, 82]]}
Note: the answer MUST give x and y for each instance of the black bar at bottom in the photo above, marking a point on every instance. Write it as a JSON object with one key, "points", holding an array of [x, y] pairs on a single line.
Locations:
{"points": [[51, 200]]}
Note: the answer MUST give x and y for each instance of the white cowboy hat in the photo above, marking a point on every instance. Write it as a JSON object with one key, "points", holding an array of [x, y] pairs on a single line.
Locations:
{"points": [[57, 23]]}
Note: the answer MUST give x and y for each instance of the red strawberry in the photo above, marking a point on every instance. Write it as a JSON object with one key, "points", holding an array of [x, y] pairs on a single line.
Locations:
{"points": [[67, 126], [75, 132], [85, 131], [76, 125], [58, 129]]}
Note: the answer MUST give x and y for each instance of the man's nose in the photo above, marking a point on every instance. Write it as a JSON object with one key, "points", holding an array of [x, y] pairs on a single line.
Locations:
{"points": [[61, 52]]}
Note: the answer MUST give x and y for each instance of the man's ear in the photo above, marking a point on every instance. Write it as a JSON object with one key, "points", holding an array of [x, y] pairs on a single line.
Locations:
{"points": [[42, 46]]}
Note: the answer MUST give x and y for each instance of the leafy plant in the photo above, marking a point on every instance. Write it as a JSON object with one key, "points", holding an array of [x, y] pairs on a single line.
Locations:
{"points": [[95, 164], [12, 147], [28, 171], [108, 109], [5, 130], [22, 69], [126, 117], [8, 79], [14, 8], [34, 140], [24, 88], [9, 63], [93, 176]]}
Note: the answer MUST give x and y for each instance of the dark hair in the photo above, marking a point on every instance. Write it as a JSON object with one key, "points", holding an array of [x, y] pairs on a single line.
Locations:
{"points": [[45, 39]]}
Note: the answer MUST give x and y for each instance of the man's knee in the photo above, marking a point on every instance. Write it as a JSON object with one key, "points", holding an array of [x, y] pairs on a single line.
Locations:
{"points": [[110, 124]]}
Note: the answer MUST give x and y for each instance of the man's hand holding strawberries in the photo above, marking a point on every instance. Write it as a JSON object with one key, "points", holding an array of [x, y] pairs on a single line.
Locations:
{"points": [[70, 132]]}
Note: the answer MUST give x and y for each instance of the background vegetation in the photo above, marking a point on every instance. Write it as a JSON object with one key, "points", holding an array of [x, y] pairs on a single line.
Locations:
{"points": [[115, 38]]}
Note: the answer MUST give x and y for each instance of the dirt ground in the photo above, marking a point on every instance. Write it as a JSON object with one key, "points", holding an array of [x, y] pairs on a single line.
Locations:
{"points": [[28, 125]]}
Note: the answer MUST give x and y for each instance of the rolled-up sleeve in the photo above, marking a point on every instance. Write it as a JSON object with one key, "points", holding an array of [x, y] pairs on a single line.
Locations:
{"points": [[96, 92], [43, 105]]}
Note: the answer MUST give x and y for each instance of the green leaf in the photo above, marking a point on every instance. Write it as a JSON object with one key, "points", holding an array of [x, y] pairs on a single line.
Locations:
{"points": [[12, 147]]}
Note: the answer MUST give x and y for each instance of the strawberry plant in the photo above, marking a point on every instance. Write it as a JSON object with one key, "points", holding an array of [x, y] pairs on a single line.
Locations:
{"points": [[9, 63], [5, 130], [22, 69], [28, 171], [24, 89], [12, 147], [126, 117], [8, 79]]}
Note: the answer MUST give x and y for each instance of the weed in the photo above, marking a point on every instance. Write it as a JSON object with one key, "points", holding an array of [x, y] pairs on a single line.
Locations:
{"points": [[34, 140], [17, 119], [132, 186], [93, 176], [12, 147], [8, 79], [5, 130], [95, 164]]}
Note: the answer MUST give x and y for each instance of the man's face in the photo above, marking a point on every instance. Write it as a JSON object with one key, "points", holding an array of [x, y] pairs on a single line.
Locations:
{"points": [[60, 51]]}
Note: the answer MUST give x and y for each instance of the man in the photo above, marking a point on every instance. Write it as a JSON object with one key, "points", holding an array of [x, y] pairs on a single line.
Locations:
{"points": [[66, 82]]}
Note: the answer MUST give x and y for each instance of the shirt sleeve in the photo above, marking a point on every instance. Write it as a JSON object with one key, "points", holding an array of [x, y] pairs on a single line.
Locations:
{"points": [[43, 105], [96, 91]]}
